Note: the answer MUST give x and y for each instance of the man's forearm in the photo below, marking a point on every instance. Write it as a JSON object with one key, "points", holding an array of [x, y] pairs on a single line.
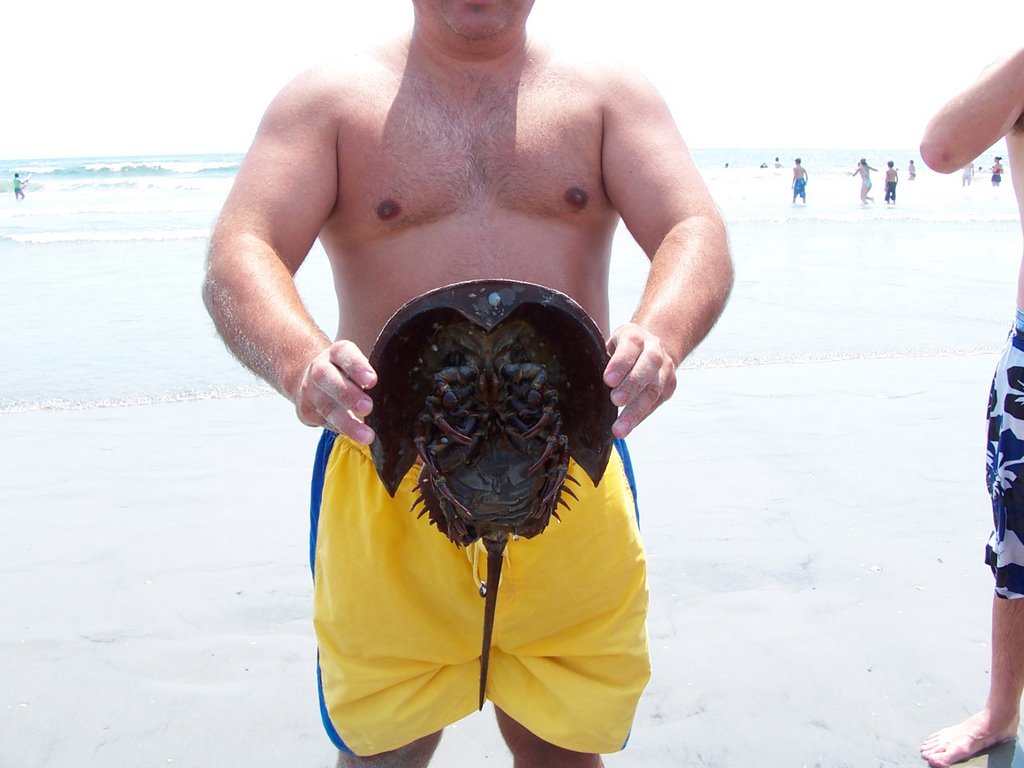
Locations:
{"points": [[689, 283], [257, 311]]}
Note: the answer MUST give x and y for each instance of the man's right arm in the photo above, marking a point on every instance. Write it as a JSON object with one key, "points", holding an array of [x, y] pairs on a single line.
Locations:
{"points": [[977, 117], [285, 190]]}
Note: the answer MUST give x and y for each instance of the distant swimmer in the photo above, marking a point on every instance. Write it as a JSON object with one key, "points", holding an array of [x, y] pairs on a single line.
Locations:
{"points": [[968, 175], [864, 170], [777, 163], [799, 182], [911, 171], [892, 177], [19, 186], [997, 172]]}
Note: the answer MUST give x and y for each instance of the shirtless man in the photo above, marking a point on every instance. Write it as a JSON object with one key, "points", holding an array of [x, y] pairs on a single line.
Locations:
{"points": [[973, 121], [462, 151], [892, 178], [799, 182]]}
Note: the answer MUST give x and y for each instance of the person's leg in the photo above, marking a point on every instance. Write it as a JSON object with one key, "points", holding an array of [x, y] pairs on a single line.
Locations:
{"points": [[530, 751], [415, 755], [999, 719]]}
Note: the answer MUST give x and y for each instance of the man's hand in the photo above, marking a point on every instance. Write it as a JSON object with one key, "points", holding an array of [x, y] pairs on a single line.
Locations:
{"points": [[332, 392], [641, 374]]}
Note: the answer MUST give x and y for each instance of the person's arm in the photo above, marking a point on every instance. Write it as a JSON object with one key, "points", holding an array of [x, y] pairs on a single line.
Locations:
{"points": [[283, 193], [654, 184], [977, 117]]}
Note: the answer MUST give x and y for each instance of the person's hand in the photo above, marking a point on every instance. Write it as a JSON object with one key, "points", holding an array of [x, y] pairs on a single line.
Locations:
{"points": [[641, 374], [332, 392]]}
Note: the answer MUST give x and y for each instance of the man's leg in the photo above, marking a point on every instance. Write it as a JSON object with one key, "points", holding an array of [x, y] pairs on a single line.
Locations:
{"points": [[530, 751], [415, 755], [998, 721]]}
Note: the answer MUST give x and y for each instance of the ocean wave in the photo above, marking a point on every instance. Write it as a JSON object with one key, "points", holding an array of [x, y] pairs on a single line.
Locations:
{"points": [[810, 358], [120, 167], [10, 406], [94, 236], [875, 215]]}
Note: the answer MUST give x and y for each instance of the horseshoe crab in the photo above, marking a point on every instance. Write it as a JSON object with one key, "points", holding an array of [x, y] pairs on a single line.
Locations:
{"points": [[492, 385]]}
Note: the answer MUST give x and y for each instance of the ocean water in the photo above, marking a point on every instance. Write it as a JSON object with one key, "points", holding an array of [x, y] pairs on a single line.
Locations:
{"points": [[101, 266]]}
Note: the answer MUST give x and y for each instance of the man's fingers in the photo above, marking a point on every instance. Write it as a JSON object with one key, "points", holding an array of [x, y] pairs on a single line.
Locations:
{"points": [[640, 373], [344, 423], [353, 363], [624, 352], [332, 381], [644, 403], [332, 395]]}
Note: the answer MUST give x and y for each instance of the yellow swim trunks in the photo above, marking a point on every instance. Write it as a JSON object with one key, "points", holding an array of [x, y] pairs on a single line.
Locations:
{"points": [[399, 617]]}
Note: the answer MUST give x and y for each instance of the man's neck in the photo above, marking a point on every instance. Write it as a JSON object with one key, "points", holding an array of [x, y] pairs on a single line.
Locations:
{"points": [[439, 52]]}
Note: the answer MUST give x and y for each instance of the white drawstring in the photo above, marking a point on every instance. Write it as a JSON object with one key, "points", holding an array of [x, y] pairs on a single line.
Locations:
{"points": [[476, 553]]}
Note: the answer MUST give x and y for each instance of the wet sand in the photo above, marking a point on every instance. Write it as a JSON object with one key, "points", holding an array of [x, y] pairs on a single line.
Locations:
{"points": [[815, 535]]}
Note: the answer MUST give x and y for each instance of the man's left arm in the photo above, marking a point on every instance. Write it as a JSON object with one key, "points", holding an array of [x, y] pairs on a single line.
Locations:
{"points": [[653, 182]]}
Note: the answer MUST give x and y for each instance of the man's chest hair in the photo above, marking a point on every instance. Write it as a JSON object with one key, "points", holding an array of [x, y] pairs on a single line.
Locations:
{"points": [[520, 147]]}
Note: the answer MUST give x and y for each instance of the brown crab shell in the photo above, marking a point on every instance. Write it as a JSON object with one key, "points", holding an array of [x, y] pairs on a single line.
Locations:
{"points": [[568, 333]]}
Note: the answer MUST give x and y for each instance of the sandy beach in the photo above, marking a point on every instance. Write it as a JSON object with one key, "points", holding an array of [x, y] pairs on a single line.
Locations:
{"points": [[812, 498], [815, 535]]}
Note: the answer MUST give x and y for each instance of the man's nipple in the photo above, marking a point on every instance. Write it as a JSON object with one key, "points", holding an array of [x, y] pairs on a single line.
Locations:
{"points": [[576, 198], [388, 209]]}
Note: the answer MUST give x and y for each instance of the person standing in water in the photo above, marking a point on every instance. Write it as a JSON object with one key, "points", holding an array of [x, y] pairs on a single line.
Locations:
{"points": [[892, 177], [799, 182], [971, 122], [997, 172], [865, 180], [19, 186]]}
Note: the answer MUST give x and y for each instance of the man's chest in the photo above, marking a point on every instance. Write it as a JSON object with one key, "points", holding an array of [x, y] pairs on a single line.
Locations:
{"points": [[424, 158]]}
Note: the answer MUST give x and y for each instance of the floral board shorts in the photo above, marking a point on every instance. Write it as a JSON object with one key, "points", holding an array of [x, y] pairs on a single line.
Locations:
{"points": [[1004, 552]]}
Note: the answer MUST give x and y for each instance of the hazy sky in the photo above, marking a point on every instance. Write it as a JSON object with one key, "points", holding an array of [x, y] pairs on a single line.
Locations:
{"points": [[118, 78]]}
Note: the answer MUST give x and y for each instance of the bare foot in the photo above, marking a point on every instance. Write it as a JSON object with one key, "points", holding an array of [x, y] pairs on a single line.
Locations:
{"points": [[964, 740]]}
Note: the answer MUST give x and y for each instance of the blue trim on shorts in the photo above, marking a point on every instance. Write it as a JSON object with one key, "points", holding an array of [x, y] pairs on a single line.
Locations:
{"points": [[627, 466], [323, 454], [316, 495]]}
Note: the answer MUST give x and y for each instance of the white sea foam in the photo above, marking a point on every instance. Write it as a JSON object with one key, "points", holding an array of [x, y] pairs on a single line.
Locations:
{"points": [[111, 236], [132, 401]]}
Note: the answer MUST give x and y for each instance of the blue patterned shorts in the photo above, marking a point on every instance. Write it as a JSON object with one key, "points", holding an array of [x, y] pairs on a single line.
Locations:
{"points": [[1004, 552]]}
